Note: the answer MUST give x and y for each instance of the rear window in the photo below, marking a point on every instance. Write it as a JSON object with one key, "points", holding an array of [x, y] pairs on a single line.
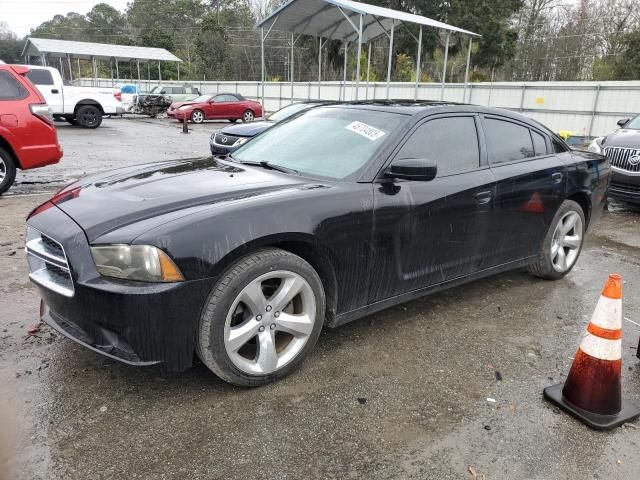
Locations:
{"points": [[539, 143], [10, 88], [507, 141], [40, 77]]}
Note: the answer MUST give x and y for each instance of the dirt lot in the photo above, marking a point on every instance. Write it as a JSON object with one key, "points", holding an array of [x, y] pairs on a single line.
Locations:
{"points": [[399, 394]]}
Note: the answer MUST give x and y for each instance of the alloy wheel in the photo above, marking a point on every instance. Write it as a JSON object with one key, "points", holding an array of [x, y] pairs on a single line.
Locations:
{"points": [[566, 242], [248, 116], [269, 322], [197, 116], [3, 170]]}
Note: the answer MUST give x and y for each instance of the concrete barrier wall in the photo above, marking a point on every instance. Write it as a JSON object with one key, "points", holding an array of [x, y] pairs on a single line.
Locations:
{"points": [[586, 108]]}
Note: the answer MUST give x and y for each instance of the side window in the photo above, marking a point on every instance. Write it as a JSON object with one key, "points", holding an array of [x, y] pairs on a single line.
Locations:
{"points": [[10, 88], [451, 143], [539, 143], [179, 90], [40, 77], [507, 141], [558, 147], [219, 98]]}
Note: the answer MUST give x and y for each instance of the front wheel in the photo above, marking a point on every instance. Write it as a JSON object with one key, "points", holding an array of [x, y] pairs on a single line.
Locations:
{"points": [[563, 243], [7, 170], [248, 116], [262, 318], [197, 116]]}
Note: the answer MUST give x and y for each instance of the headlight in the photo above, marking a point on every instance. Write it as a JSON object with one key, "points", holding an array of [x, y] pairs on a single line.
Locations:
{"points": [[240, 141], [143, 263], [184, 107], [595, 146]]}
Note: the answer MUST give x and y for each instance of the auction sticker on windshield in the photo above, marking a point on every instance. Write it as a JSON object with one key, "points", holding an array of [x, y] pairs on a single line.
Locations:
{"points": [[365, 130]]}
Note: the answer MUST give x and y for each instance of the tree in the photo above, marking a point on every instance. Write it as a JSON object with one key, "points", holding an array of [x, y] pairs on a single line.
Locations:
{"points": [[105, 24], [10, 46], [627, 67]]}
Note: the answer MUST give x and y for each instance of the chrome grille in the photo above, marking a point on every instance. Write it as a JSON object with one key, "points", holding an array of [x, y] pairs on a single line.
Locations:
{"points": [[624, 158], [225, 140], [48, 264]]}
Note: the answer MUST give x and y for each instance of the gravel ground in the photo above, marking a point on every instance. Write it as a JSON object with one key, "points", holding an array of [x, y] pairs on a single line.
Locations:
{"points": [[399, 394]]}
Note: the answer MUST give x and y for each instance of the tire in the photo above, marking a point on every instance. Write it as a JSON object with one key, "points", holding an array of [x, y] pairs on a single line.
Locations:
{"points": [[89, 116], [7, 170], [233, 120], [197, 116], [566, 244], [225, 311], [248, 116]]}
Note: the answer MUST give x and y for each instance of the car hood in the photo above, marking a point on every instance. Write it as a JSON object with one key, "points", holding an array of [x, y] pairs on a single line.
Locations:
{"points": [[176, 105], [104, 203], [624, 137], [249, 129]]}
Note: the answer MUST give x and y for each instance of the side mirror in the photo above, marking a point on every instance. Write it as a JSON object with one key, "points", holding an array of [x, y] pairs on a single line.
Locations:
{"points": [[622, 122], [418, 169], [163, 92]]}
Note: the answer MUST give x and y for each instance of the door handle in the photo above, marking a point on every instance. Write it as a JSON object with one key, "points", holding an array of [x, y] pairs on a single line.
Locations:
{"points": [[483, 198], [557, 177], [54, 90]]}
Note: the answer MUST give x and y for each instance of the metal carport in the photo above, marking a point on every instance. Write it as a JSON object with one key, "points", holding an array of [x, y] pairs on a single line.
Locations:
{"points": [[347, 21], [47, 48]]}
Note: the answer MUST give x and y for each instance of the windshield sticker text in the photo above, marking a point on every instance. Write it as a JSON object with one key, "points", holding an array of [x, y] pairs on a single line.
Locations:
{"points": [[365, 130]]}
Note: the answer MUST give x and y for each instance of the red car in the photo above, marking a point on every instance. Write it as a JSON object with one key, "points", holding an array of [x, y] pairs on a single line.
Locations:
{"points": [[28, 138], [224, 106]]}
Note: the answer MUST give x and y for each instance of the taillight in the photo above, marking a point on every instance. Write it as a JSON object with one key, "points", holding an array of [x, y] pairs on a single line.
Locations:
{"points": [[118, 96], [42, 111]]}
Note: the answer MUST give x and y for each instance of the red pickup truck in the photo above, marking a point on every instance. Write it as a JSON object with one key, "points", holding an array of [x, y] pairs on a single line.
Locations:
{"points": [[28, 138]]}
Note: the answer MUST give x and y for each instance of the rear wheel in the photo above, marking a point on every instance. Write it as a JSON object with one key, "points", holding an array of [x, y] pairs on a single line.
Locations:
{"points": [[197, 116], [89, 116], [563, 243], [233, 120], [7, 170], [262, 318], [248, 116]]}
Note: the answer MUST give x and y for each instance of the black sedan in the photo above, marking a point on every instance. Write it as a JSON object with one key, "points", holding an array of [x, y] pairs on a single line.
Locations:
{"points": [[339, 212], [227, 139]]}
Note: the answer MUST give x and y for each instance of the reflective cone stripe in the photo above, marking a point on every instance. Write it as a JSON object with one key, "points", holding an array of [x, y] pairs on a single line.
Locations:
{"points": [[594, 381]]}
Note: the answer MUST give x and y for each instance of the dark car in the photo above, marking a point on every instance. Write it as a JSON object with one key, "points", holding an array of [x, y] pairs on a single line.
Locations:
{"points": [[337, 213], [622, 147], [228, 139]]}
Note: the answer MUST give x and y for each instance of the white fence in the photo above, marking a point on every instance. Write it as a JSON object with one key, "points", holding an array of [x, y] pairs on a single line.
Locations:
{"points": [[586, 108]]}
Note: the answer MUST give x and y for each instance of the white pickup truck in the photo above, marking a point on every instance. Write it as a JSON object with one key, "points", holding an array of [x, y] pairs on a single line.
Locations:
{"points": [[84, 106]]}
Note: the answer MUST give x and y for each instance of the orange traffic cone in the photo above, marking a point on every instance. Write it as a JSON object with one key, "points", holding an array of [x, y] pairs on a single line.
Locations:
{"points": [[592, 392]]}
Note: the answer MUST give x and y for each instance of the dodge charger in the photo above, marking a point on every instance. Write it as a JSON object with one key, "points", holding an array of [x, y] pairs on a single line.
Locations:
{"points": [[342, 211]]}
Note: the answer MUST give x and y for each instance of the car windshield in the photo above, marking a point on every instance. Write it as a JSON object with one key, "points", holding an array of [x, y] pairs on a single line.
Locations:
{"points": [[155, 90], [634, 124], [202, 98], [325, 141], [289, 110]]}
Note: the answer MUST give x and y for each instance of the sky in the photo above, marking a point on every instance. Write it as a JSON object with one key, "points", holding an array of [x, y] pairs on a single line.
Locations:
{"points": [[23, 15]]}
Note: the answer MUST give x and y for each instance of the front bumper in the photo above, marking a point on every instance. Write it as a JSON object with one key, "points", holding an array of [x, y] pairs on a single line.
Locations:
{"points": [[625, 186], [133, 322]]}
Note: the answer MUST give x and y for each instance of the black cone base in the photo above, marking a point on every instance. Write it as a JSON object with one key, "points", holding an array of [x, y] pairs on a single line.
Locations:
{"points": [[628, 413]]}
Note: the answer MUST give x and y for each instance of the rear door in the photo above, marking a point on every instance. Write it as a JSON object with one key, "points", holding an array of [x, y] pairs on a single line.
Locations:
{"points": [[531, 181], [52, 93], [431, 232]]}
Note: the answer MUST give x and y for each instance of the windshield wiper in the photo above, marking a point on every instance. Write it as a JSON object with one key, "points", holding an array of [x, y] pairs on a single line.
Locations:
{"points": [[271, 166]]}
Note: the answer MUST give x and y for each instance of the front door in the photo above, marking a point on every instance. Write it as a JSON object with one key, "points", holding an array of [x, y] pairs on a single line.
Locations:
{"points": [[431, 232]]}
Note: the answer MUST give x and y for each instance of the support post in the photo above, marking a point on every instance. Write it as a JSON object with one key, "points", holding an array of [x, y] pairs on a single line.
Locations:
{"points": [[393, 25], [319, 64], [344, 73], [178, 63], [138, 68], [466, 72], [594, 110], [117, 69], [70, 68], [358, 57], [418, 59], [291, 66], [366, 94], [262, 65], [111, 70], [61, 67], [159, 72], [79, 72], [444, 67]]}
